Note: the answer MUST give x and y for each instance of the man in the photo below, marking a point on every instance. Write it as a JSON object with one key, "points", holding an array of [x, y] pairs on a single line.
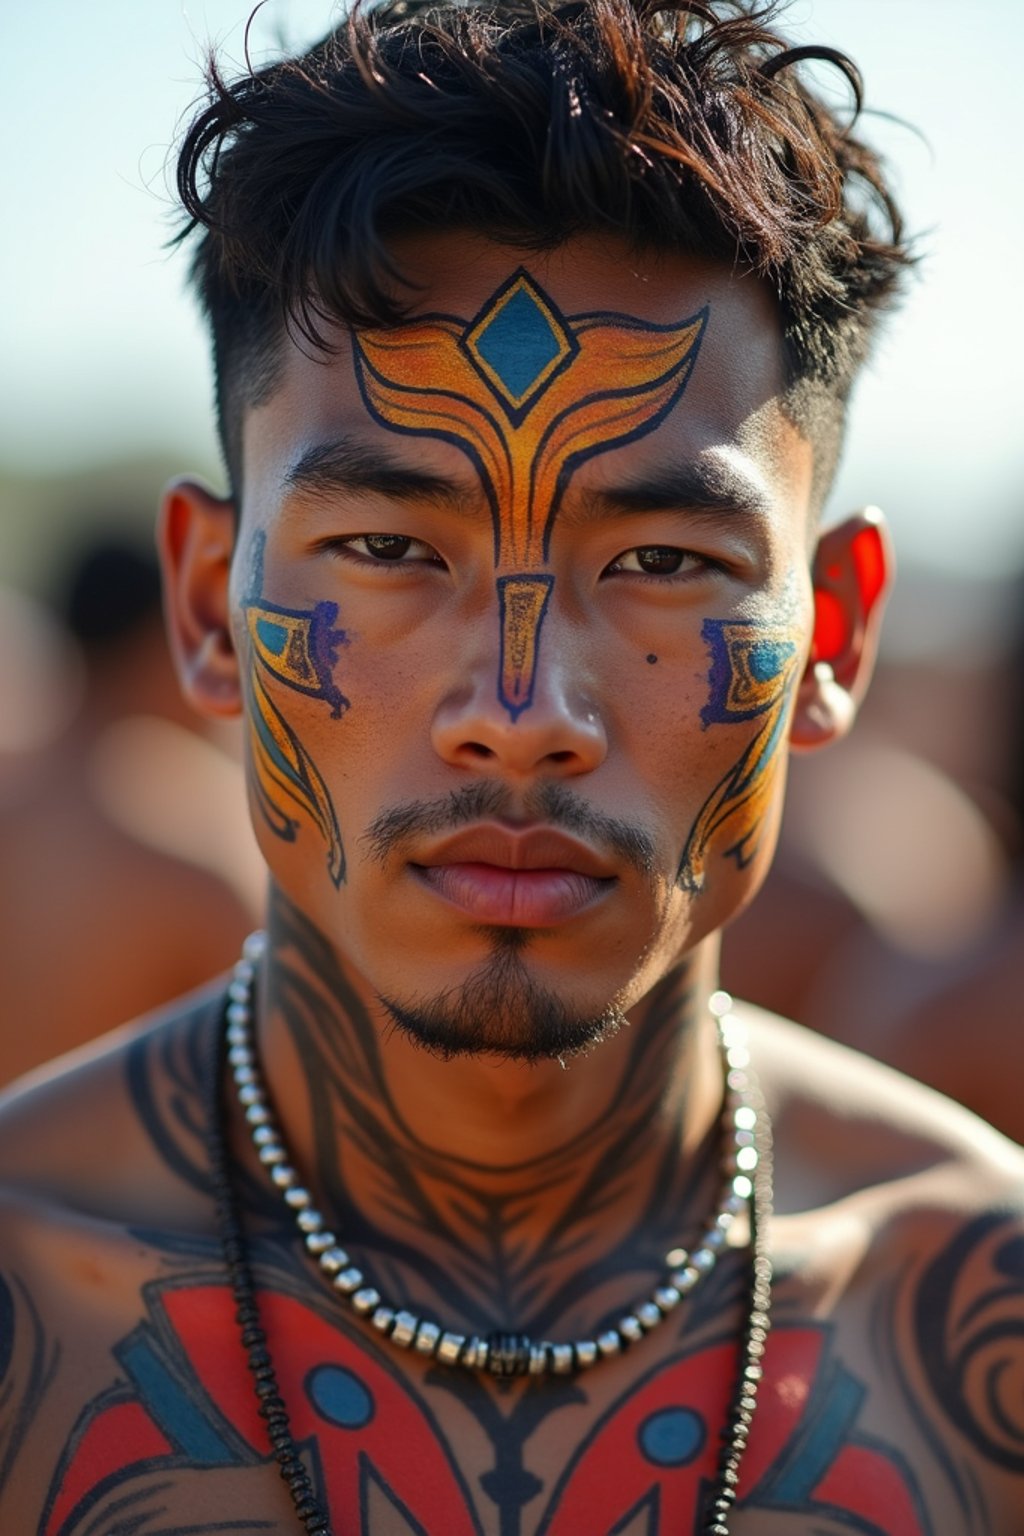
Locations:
{"points": [[533, 332]]}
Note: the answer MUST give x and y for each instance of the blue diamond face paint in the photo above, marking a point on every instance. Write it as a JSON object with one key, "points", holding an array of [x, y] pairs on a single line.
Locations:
{"points": [[528, 394]]}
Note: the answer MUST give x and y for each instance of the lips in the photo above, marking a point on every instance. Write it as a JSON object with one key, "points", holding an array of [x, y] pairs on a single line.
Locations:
{"points": [[529, 879]]}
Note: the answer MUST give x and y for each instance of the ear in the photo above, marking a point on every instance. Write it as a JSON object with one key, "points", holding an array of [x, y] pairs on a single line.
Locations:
{"points": [[853, 573], [196, 535]]}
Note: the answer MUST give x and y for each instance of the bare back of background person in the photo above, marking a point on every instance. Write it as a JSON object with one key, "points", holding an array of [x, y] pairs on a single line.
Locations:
{"points": [[115, 895]]}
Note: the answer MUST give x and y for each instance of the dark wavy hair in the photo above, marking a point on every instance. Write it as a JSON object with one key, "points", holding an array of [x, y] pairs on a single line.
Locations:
{"points": [[679, 124]]}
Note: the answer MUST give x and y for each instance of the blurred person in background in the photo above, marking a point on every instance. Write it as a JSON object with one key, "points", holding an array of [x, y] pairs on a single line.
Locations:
{"points": [[40, 690], [533, 335], [896, 927], [937, 990], [115, 896]]}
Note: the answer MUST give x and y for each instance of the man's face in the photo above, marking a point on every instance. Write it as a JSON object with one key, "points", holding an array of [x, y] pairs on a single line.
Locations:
{"points": [[521, 596]]}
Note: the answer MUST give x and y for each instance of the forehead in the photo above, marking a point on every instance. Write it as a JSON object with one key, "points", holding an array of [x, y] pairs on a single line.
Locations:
{"points": [[727, 416]]}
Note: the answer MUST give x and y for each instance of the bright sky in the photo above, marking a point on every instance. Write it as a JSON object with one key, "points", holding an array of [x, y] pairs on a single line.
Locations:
{"points": [[102, 354]]}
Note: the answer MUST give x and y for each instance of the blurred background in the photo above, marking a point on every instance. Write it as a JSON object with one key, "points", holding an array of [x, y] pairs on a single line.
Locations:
{"points": [[895, 919]]}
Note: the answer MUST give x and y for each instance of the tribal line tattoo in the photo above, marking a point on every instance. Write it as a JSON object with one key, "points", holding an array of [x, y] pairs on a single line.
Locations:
{"points": [[364, 1149], [970, 1337], [178, 1430], [753, 668], [29, 1360], [528, 394], [508, 1281], [298, 648]]}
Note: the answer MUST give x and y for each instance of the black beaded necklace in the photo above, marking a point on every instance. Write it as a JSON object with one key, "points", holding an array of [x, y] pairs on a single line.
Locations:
{"points": [[735, 1433]]}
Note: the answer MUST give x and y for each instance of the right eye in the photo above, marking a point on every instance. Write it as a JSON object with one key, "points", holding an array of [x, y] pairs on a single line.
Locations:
{"points": [[387, 548]]}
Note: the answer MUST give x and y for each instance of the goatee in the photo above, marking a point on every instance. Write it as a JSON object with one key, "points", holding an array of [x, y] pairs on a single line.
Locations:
{"points": [[501, 1010]]}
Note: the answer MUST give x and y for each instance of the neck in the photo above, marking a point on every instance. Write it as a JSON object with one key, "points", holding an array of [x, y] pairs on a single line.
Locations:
{"points": [[481, 1189]]}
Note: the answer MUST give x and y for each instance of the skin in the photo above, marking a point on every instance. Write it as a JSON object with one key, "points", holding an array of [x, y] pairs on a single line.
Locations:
{"points": [[480, 1188], [135, 924]]}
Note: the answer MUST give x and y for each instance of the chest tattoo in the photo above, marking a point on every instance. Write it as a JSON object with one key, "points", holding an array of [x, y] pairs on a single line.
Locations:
{"points": [[381, 1458]]}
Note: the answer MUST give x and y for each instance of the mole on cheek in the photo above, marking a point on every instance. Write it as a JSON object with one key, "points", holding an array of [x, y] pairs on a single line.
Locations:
{"points": [[651, 658]]}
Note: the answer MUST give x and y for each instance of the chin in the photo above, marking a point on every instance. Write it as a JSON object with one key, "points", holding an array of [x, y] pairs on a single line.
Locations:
{"points": [[501, 1010]]}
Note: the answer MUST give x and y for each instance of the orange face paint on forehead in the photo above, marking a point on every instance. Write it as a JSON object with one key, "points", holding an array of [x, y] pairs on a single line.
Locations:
{"points": [[528, 394]]}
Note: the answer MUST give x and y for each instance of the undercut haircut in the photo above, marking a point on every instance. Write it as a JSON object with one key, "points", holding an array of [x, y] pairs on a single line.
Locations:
{"points": [[679, 126]]}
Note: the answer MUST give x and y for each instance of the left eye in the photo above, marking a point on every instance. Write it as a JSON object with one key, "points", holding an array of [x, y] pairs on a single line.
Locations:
{"points": [[393, 548], [655, 560]]}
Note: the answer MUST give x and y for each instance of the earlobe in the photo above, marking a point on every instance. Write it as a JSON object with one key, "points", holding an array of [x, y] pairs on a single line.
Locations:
{"points": [[196, 535], [853, 572]]}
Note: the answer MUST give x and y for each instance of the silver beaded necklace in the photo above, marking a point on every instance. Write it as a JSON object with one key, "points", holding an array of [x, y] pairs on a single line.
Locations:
{"points": [[721, 1496], [500, 1354]]}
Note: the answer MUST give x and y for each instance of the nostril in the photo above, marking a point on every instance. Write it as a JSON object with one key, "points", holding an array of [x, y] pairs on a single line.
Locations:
{"points": [[477, 749], [561, 757]]}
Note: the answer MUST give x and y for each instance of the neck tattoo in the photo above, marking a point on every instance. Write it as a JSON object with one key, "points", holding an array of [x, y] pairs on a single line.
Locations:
{"points": [[746, 1175]]}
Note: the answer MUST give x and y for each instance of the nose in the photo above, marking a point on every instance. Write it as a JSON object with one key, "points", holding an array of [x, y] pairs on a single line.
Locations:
{"points": [[555, 730]]}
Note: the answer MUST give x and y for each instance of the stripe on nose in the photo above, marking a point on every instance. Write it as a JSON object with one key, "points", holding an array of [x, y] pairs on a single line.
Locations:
{"points": [[523, 601]]}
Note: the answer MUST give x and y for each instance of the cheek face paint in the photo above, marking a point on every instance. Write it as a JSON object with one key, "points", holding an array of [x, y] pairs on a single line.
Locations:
{"points": [[753, 669], [523, 391], [299, 649]]}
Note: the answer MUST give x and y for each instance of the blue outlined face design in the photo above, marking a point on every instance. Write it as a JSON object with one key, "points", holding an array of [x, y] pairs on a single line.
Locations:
{"points": [[299, 649], [528, 394], [753, 668]]}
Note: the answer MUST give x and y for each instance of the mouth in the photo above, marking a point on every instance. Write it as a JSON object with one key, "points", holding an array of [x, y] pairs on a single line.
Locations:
{"points": [[522, 878]]}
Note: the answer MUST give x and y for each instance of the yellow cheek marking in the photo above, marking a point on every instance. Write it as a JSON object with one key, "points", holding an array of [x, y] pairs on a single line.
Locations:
{"points": [[298, 649], [528, 395], [753, 668]]}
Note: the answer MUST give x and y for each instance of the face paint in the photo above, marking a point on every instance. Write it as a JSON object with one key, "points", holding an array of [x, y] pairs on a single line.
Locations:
{"points": [[528, 394], [753, 668], [300, 650]]}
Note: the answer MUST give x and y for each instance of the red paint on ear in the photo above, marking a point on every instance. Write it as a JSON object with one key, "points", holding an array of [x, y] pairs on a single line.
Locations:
{"points": [[869, 565], [831, 633]]}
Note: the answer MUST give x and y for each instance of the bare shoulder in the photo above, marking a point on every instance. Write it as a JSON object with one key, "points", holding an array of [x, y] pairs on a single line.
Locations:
{"points": [[114, 1132], [104, 1196], [888, 1193], [899, 1230], [845, 1125]]}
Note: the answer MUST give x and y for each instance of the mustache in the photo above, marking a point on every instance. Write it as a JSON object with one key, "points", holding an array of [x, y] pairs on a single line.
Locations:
{"points": [[551, 803]]}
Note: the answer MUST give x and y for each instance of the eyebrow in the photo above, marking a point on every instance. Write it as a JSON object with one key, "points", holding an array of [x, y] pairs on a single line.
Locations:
{"points": [[713, 488], [350, 466], [347, 465]]}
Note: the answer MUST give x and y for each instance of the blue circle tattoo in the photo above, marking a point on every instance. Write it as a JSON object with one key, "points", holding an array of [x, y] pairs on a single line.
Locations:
{"points": [[339, 1396], [672, 1437]]}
